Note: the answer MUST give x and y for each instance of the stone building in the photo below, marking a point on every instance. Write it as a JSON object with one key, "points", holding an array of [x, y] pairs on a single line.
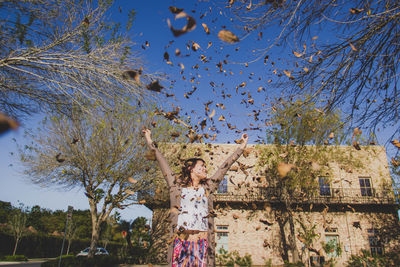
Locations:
{"points": [[352, 206]]}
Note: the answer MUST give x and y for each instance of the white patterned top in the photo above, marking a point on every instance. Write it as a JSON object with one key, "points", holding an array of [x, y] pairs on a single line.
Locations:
{"points": [[194, 209]]}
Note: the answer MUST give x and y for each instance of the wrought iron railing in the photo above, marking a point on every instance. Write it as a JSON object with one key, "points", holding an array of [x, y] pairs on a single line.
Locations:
{"points": [[334, 195]]}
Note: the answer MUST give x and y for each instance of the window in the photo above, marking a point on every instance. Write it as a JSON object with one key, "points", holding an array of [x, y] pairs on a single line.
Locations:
{"points": [[324, 186], [332, 243], [223, 186], [222, 238], [365, 186], [375, 244]]}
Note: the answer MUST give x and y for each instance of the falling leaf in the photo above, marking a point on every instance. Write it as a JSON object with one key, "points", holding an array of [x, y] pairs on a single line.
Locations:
{"points": [[357, 131], [266, 222], [154, 86], [248, 7], [59, 158], [205, 28], [175, 10], [212, 114], [166, 56], [305, 69], [353, 47], [228, 36], [234, 168], [177, 52], [86, 21], [395, 162], [132, 74], [350, 207], [288, 73], [396, 143], [314, 38], [221, 118], [297, 54], [195, 46], [284, 169], [131, 180], [209, 44], [6, 123], [175, 134], [331, 135], [315, 166], [150, 155], [356, 10], [190, 26], [130, 192]]}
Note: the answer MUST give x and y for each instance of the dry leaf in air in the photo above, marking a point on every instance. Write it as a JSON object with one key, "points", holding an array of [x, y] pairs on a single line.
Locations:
{"points": [[190, 25], [154, 86], [131, 180], [228, 36], [284, 169], [212, 114], [6, 123], [206, 29], [396, 143], [297, 54]]}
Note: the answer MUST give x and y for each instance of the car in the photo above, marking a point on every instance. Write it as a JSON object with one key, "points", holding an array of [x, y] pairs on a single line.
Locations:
{"points": [[99, 251]]}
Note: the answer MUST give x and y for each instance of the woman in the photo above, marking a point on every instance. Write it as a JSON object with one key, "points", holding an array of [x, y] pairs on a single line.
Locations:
{"points": [[191, 201]]}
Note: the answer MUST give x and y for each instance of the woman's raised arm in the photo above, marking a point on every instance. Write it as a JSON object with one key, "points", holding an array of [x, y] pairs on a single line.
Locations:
{"points": [[219, 174], [162, 162]]}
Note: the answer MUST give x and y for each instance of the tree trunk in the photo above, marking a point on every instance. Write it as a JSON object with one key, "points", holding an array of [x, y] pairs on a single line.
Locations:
{"points": [[69, 245], [293, 243], [95, 229], [95, 240], [16, 245]]}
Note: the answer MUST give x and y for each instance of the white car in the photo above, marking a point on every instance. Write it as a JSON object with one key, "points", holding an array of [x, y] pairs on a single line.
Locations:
{"points": [[99, 251]]}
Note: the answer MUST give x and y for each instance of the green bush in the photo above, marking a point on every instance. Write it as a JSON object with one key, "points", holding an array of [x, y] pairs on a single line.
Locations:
{"points": [[15, 258], [73, 261], [391, 259], [297, 264], [226, 258]]}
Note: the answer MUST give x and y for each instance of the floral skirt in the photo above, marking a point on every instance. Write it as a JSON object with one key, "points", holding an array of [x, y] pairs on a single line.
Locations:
{"points": [[189, 253]]}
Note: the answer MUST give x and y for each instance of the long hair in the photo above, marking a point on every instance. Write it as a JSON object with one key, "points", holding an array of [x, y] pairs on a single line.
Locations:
{"points": [[188, 166]]}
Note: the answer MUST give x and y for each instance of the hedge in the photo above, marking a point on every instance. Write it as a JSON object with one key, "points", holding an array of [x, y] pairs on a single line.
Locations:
{"points": [[42, 246]]}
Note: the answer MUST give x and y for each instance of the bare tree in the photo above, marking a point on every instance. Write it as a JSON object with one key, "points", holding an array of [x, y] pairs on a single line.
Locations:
{"points": [[347, 52], [53, 51], [70, 233], [17, 224], [100, 152]]}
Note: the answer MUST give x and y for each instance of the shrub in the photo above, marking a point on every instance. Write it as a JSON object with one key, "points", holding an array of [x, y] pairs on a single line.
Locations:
{"points": [[15, 258], [297, 264], [73, 261], [391, 259], [226, 258]]}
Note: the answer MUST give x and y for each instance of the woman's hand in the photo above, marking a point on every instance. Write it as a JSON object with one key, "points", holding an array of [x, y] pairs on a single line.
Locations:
{"points": [[244, 140], [147, 136]]}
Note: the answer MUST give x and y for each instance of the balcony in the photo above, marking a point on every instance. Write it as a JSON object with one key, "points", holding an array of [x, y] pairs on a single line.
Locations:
{"points": [[334, 196]]}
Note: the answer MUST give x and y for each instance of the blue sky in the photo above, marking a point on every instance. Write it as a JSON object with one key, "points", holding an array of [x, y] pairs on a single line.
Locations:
{"points": [[150, 26]]}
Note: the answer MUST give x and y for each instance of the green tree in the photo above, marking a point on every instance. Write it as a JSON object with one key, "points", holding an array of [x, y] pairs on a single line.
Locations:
{"points": [[140, 232], [5, 209], [346, 52], [52, 52], [300, 133], [102, 153]]}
